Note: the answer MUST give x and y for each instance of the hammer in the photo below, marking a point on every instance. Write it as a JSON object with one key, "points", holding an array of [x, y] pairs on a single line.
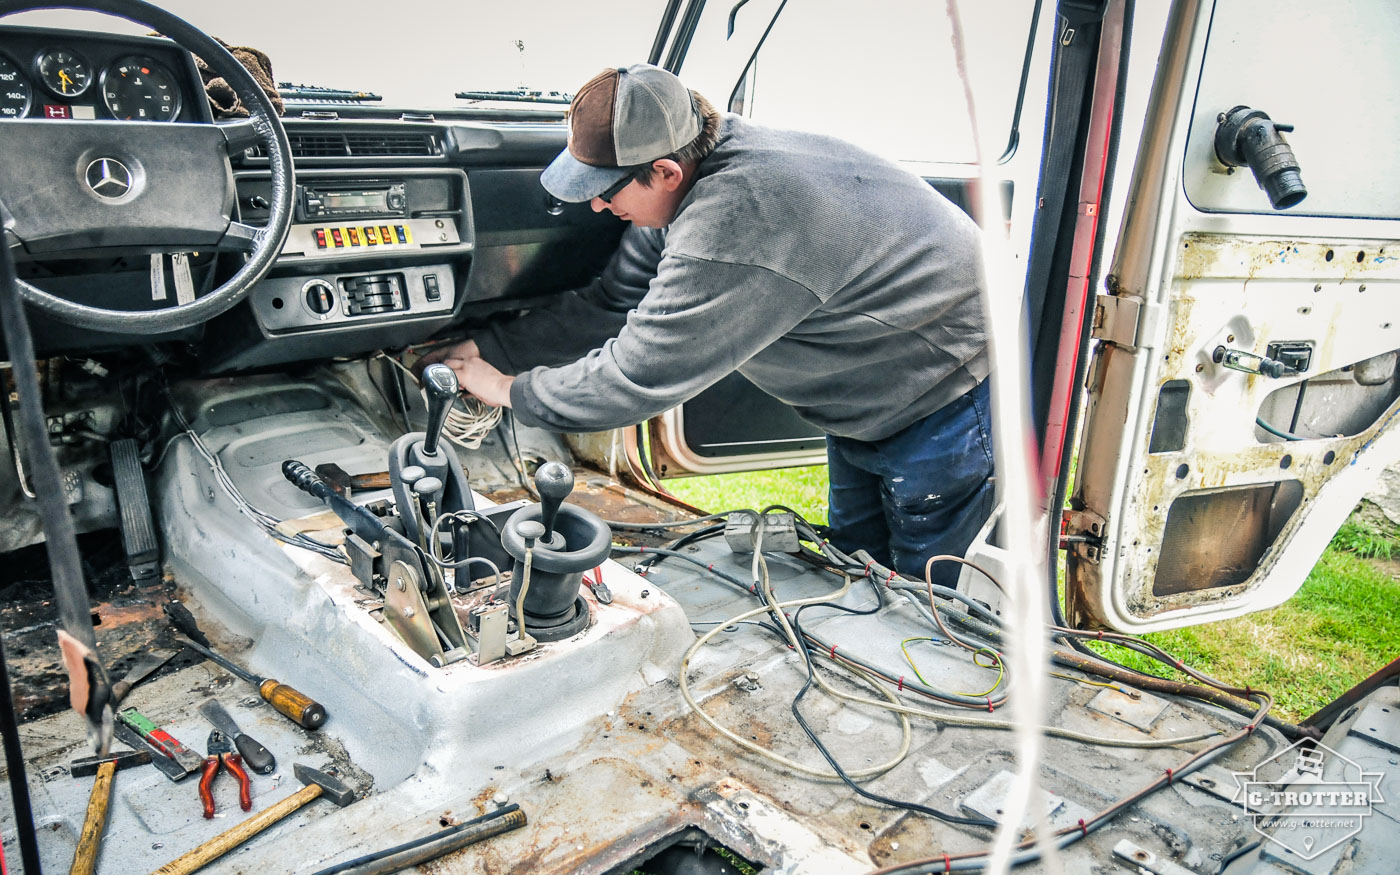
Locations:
{"points": [[105, 768], [343, 482], [317, 784]]}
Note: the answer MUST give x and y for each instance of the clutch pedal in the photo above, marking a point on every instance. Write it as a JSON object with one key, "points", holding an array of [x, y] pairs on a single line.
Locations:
{"points": [[138, 528]]}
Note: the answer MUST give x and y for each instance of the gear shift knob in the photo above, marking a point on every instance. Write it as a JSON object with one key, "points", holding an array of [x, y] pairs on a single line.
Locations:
{"points": [[440, 383], [554, 481]]}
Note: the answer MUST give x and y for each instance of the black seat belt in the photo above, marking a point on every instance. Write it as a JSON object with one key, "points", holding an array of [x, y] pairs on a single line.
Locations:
{"points": [[89, 688]]}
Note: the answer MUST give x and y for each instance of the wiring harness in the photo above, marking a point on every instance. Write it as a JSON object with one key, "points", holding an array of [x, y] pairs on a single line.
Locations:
{"points": [[266, 521], [784, 619], [468, 421]]}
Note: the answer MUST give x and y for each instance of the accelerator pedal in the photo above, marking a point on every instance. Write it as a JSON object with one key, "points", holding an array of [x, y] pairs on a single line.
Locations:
{"points": [[138, 528]]}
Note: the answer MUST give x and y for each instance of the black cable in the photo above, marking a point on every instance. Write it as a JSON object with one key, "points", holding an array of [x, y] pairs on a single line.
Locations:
{"points": [[64, 565], [643, 454], [663, 552], [1297, 406], [1276, 431], [826, 754], [683, 541], [401, 396], [1235, 855]]}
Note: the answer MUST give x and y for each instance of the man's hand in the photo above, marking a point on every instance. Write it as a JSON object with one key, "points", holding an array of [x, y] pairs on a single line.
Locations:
{"points": [[467, 349], [479, 378]]}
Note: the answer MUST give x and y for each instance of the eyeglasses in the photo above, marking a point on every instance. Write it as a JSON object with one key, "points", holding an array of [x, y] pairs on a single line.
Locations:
{"points": [[612, 190]]}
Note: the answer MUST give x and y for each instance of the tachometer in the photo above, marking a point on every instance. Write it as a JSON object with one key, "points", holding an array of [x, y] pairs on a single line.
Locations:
{"points": [[15, 92], [141, 89], [63, 72]]}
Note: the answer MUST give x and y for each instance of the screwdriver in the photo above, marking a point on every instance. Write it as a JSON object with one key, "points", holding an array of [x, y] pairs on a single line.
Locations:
{"points": [[288, 701]]}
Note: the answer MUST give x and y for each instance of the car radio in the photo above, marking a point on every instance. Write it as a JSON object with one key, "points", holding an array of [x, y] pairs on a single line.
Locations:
{"points": [[367, 199]]}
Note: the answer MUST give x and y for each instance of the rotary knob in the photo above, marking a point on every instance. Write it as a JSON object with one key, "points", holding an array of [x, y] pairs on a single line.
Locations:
{"points": [[319, 296]]}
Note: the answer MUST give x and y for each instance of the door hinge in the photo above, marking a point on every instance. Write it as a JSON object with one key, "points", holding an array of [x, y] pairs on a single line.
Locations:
{"points": [[1082, 527], [1124, 321]]}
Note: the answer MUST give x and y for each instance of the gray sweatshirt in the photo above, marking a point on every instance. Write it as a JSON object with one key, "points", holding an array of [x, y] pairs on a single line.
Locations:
{"points": [[832, 279]]}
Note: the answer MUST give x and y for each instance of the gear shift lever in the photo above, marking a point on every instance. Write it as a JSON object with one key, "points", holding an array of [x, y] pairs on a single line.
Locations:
{"points": [[554, 481], [440, 382]]}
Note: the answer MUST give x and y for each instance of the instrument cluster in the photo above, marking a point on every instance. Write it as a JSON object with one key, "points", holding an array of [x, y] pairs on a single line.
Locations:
{"points": [[61, 75]]}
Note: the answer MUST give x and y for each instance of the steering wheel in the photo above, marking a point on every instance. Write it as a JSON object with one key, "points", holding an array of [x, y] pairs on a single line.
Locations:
{"points": [[160, 186]]}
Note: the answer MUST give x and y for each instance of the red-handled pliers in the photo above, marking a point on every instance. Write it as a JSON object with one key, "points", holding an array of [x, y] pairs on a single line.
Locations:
{"points": [[221, 751]]}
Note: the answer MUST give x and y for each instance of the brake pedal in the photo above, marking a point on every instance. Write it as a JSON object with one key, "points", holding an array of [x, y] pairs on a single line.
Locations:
{"points": [[138, 528]]}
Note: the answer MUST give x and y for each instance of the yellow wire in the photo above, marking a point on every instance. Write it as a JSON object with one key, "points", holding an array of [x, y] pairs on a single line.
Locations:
{"points": [[1115, 687], [996, 662], [903, 646]]}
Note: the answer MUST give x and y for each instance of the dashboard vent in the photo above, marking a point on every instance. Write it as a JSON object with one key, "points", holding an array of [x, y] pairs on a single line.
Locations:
{"points": [[405, 144], [306, 145], [358, 144]]}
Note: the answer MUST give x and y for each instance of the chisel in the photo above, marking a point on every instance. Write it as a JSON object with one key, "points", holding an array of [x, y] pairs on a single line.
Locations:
{"points": [[161, 740], [168, 767], [138, 672]]}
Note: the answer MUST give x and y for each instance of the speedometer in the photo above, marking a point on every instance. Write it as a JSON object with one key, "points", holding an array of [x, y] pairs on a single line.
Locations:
{"points": [[139, 88], [15, 93]]}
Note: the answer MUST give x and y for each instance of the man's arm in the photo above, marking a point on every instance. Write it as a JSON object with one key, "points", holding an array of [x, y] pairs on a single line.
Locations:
{"points": [[580, 320], [701, 321]]}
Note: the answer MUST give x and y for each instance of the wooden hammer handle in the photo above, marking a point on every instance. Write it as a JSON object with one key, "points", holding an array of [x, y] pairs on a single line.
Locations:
{"points": [[85, 857], [232, 838]]}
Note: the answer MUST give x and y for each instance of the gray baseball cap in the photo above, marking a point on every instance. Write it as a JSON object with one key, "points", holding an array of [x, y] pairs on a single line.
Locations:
{"points": [[621, 119]]}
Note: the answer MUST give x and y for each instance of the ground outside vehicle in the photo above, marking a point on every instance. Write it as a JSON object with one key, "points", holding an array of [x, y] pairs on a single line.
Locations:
{"points": [[219, 295]]}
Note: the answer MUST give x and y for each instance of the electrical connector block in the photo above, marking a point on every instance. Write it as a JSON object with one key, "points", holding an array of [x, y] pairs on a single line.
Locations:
{"points": [[779, 533]]}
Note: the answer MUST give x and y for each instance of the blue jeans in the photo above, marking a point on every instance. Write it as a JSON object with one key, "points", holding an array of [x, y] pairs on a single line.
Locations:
{"points": [[920, 492]]}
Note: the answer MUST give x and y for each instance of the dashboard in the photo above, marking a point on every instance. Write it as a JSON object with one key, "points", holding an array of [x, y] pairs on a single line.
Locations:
{"points": [[405, 222], [56, 74]]}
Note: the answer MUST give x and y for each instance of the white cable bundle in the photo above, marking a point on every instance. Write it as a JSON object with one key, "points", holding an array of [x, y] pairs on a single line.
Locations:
{"points": [[468, 420]]}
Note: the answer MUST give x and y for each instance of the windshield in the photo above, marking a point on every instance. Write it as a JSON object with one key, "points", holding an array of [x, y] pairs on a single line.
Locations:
{"points": [[415, 53]]}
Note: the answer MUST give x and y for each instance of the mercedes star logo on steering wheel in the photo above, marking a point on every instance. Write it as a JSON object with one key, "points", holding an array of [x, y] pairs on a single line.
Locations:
{"points": [[108, 178]]}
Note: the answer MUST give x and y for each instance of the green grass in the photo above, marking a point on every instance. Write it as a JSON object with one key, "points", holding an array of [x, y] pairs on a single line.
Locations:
{"points": [[802, 489], [1366, 539], [1339, 627], [1334, 632]]}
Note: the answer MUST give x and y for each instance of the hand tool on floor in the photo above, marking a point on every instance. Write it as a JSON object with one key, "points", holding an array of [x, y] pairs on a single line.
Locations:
{"points": [[139, 671], [221, 754], [341, 481], [317, 783], [255, 756], [164, 764], [105, 768], [288, 701], [430, 847], [160, 739]]}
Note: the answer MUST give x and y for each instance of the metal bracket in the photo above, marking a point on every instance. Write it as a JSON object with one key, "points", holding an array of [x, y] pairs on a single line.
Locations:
{"points": [[418, 607], [490, 625], [1146, 861], [1124, 321]]}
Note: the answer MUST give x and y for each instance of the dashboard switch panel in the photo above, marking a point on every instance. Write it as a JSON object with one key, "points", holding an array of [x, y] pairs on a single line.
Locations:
{"points": [[285, 305]]}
